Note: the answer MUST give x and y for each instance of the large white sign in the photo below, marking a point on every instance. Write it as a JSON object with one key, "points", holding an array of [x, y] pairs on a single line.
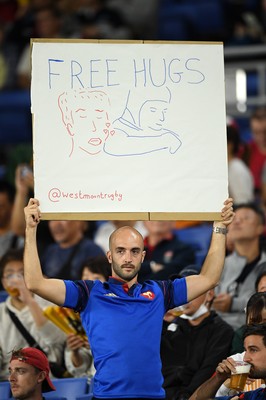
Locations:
{"points": [[131, 128]]}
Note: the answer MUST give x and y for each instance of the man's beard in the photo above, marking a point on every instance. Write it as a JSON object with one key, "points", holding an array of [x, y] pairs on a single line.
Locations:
{"points": [[258, 373], [123, 275]]}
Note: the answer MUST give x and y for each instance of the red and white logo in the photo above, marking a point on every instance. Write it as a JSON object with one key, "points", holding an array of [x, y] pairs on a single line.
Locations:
{"points": [[148, 295]]}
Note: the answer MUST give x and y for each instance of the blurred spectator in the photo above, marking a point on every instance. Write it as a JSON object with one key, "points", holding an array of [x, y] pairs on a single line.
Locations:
{"points": [[8, 60], [256, 149], [246, 31], [105, 229], [241, 185], [64, 258], [255, 314], [242, 266], [193, 345], [140, 15], [260, 284], [27, 308], [165, 253], [47, 22], [93, 19], [24, 183], [8, 239], [96, 268]]}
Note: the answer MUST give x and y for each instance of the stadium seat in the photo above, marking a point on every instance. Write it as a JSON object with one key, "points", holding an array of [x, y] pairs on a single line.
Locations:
{"points": [[55, 398], [87, 396], [5, 392], [68, 388]]}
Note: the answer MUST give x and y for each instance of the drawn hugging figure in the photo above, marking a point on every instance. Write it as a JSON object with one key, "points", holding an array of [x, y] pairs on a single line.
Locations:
{"points": [[139, 130], [85, 114]]}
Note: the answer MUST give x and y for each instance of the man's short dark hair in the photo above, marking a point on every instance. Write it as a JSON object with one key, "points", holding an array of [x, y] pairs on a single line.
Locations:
{"points": [[257, 330], [98, 265]]}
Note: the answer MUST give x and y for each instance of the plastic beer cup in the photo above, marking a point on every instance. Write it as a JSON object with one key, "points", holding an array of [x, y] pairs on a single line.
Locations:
{"points": [[238, 378]]}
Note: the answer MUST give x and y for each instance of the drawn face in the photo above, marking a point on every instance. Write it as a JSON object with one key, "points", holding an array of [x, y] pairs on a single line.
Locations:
{"points": [[85, 115], [152, 115], [91, 127]]}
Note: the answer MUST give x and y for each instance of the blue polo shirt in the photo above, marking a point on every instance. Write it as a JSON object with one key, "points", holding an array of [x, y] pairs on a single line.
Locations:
{"points": [[124, 327]]}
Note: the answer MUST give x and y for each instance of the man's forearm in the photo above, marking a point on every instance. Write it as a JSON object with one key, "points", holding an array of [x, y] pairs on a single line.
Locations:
{"points": [[32, 267], [214, 262], [208, 389]]}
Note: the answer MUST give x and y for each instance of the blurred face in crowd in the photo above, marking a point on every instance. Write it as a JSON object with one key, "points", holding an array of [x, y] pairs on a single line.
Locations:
{"points": [[87, 274], [66, 233], [13, 277], [246, 225]]}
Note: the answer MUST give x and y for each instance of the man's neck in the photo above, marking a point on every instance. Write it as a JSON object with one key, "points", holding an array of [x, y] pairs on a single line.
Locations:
{"points": [[249, 250], [71, 242], [18, 304]]}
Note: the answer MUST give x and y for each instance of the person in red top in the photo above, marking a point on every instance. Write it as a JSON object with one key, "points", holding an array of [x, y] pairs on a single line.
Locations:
{"points": [[257, 146]]}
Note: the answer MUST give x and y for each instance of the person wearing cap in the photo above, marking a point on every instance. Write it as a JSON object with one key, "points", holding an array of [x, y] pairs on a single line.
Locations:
{"points": [[193, 344], [122, 318], [21, 316], [29, 374]]}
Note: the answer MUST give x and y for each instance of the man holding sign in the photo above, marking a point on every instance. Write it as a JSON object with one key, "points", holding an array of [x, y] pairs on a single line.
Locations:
{"points": [[122, 318]]}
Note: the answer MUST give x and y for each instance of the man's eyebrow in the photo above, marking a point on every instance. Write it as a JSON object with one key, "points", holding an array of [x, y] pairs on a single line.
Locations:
{"points": [[80, 109]]}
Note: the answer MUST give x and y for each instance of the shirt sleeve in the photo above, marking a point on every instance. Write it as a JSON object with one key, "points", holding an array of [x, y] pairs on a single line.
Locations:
{"points": [[175, 292], [72, 294], [77, 294]]}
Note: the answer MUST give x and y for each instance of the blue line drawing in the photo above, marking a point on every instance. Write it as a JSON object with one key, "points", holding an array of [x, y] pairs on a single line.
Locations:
{"points": [[141, 127]]}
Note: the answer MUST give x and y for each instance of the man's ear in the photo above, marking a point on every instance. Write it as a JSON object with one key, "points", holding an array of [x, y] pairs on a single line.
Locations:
{"points": [[70, 129], [143, 255], [109, 256], [42, 376]]}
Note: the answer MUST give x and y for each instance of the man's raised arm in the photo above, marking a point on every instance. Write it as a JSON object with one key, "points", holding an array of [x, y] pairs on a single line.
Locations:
{"points": [[208, 389], [50, 289], [213, 265]]}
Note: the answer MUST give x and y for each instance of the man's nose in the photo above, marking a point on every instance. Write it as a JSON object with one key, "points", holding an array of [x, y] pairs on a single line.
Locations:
{"points": [[246, 357], [128, 257], [12, 376]]}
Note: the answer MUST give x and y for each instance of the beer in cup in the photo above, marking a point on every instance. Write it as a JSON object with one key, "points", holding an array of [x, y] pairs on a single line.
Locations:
{"points": [[238, 378]]}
